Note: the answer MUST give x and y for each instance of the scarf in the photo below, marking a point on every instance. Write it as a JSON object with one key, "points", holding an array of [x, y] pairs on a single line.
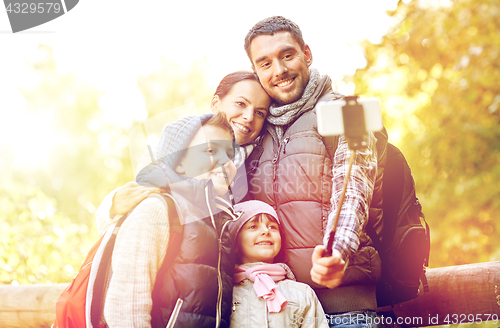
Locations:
{"points": [[264, 277], [241, 154], [280, 116]]}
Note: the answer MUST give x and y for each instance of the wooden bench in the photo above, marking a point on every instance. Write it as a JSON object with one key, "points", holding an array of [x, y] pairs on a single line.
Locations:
{"points": [[457, 295]]}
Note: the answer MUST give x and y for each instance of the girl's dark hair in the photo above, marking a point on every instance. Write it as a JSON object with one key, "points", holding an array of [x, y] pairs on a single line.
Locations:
{"points": [[230, 80]]}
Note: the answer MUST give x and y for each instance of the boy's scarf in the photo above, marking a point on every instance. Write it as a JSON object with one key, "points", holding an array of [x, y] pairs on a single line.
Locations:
{"points": [[263, 278], [280, 116]]}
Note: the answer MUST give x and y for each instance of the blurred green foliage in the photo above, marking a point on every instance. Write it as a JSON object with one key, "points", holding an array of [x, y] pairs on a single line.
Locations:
{"points": [[436, 74], [47, 212]]}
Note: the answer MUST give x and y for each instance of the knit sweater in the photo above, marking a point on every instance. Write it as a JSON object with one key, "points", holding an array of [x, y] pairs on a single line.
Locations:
{"points": [[139, 252]]}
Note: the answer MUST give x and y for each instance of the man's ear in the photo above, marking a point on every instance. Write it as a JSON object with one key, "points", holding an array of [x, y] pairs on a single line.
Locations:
{"points": [[253, 68], [308, 55], [214, 103]]}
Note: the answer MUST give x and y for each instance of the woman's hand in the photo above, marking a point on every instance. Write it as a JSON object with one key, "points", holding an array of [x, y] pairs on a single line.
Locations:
{"points": [[128, 196]]}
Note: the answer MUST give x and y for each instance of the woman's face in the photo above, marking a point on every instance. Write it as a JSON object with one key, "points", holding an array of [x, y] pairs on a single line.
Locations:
{"points": [[245, 106]]}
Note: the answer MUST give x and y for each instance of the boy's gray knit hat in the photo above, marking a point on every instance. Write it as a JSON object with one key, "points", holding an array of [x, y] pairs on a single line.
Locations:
{"points": [[175, 139], [249, 209]]}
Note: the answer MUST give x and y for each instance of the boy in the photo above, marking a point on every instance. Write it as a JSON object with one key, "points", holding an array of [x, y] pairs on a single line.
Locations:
{"points": [[188, 282]]}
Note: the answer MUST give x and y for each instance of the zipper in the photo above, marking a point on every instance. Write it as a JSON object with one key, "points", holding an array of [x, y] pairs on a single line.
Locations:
{"points": [[277, 156], [407, 202], [175, 313], [285, 141], [76, 275], [218, 309], [234, 305], [296, 135], [275, 159], [219, 277], [282, 148]]}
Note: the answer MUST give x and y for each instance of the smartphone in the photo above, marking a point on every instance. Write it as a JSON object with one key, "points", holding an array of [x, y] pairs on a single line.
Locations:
{"points": [[330, 121]]}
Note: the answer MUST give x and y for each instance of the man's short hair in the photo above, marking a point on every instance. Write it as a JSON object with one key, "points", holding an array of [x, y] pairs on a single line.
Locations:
{"points": [[270, 26]]}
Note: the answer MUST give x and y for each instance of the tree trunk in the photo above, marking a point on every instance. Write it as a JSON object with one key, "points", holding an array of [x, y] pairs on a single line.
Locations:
{"points": [[457, 294]]}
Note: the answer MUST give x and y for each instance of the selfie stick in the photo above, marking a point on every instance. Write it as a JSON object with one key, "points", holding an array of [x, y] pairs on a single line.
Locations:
{"points": [[153, 160], [354, 130]]}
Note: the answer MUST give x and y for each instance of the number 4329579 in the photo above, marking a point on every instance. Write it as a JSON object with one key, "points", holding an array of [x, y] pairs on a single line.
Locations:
{"points": [[31, 8], [453, 319]]}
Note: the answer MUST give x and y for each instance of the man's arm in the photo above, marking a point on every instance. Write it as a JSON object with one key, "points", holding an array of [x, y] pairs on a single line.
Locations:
{"points": [[139, 251], [355, 209]]}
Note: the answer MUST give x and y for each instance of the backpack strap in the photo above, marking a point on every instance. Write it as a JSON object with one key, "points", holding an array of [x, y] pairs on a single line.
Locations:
{"points": [[102, 278], [331, 144], [391, 195]]}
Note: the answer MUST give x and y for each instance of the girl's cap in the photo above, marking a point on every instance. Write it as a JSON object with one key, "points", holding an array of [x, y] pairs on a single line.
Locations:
{"points": [[249, 209]]}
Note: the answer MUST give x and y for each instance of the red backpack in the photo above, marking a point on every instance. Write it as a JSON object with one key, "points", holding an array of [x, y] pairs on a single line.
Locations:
{"points": [[77, 303], [81, 303]]}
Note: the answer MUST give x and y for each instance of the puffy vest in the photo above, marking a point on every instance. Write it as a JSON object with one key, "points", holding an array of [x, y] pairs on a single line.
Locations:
{"points": [[296, 179], [200, 274]]}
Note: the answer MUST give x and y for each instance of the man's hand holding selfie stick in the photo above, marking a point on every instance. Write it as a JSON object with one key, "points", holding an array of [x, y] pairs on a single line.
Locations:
{"points": [[328, 265]]}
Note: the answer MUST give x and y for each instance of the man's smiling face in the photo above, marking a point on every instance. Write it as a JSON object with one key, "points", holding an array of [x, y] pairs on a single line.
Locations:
{"points": [[282, 66]]}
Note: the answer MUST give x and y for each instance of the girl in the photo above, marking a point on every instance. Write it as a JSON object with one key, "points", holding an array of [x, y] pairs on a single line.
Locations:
{"points": [[265, 293]]}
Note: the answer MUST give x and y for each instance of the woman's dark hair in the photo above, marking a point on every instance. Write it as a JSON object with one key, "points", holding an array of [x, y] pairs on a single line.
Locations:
{"points": [[230, 80], [219, 120]]}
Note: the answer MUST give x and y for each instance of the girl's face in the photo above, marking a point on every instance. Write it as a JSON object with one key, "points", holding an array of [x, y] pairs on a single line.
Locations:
{"points": [[245, 106], [259, 240]]}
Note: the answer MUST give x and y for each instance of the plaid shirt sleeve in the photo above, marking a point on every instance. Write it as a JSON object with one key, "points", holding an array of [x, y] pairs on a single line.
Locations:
{"points": [[355, 208]]}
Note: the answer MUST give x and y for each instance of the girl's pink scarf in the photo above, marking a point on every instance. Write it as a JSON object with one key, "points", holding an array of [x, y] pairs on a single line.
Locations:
{"points": [[263, 278]]}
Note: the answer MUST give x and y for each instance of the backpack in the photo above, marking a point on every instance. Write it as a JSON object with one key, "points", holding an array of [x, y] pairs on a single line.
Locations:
{"points": [[74, 306], [404, 244], [81, 303]]}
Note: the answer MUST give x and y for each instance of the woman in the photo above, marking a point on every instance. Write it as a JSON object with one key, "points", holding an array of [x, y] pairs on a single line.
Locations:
{"points": [[241, 98], [138, 256]]}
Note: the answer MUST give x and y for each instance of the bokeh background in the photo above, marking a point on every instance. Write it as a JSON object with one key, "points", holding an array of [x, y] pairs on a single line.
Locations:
{"points": [[72, 90]]}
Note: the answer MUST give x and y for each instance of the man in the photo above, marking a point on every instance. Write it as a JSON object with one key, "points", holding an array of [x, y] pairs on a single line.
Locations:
{"points": [[294, 175]]}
